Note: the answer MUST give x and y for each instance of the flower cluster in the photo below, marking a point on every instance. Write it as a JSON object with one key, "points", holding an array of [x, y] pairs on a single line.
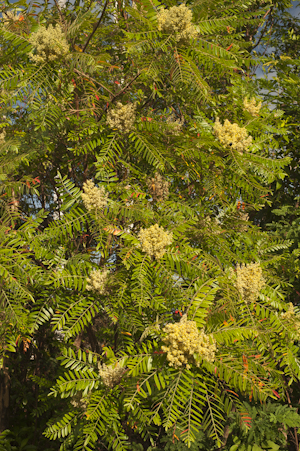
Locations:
{"points": [[122, 117], [2, 136], [242, 226], [212, 224], [251, 106], [80, 402], [175, 125], [50, 44], [97, 281], [178, 20], [158, 187], [94, 198], [154, 240], [232, 135], [9, 17], [249, 281], [291, 316], [184, 343], [290, 313], [111, 374]]}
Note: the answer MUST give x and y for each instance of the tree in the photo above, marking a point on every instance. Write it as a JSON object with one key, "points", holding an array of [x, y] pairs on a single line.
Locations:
{"points": [[157, 295], [282, 90]]}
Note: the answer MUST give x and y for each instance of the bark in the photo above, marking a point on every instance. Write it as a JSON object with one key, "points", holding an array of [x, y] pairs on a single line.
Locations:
{"points": [[77, 341], [4, 396]]}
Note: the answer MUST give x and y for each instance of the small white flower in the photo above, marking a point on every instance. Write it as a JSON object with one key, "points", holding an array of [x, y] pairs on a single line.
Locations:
{"points": [[178, 20], [231, 135], [154, 240], [50, 44], [94, 198], [122, 117], [97, 281], [183, 341], [251, 106]]}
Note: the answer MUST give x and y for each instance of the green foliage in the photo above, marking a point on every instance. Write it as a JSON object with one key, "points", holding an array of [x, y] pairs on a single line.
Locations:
{"points": [[261, 427], [5, 444], [97, 353]]}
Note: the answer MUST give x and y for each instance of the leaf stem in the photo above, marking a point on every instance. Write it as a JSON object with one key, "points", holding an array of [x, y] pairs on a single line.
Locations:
{"points": [[96, 26]]}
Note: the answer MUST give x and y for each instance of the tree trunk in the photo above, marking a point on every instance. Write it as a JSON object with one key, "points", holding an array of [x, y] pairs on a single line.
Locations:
{"points": [[4, 396]]}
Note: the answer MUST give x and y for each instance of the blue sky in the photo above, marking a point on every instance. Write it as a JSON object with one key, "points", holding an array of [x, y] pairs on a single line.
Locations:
{"points": [[295, 10]]}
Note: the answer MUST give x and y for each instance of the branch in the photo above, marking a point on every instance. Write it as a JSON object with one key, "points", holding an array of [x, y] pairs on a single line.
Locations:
{"points": [[93, 80], [124, 89], [96, 26], [119, 93], [60, 13], [264, 31], [265, 48]]}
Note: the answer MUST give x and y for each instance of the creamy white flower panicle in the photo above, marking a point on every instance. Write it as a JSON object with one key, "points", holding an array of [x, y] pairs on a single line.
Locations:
{"points": [[158, 187], [79, 401], [111, 374], [290, 313], [249, 281], [212, 224], [293, 319], [2, 136], [94, 198], [243, 217], [178, 20], [122, 117], [252, 106], [175, 125], [9, 17], [97, 281], [231, 135], [50, 44], [184, 341], [154, 240]]}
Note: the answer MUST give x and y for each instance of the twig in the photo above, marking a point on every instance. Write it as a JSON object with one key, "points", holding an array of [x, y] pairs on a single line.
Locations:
{"points": [[266, 49], [96, 26], [60, 13], [263, 32], [147, 101], [120, 92], [127, 86], [93, 80]]}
